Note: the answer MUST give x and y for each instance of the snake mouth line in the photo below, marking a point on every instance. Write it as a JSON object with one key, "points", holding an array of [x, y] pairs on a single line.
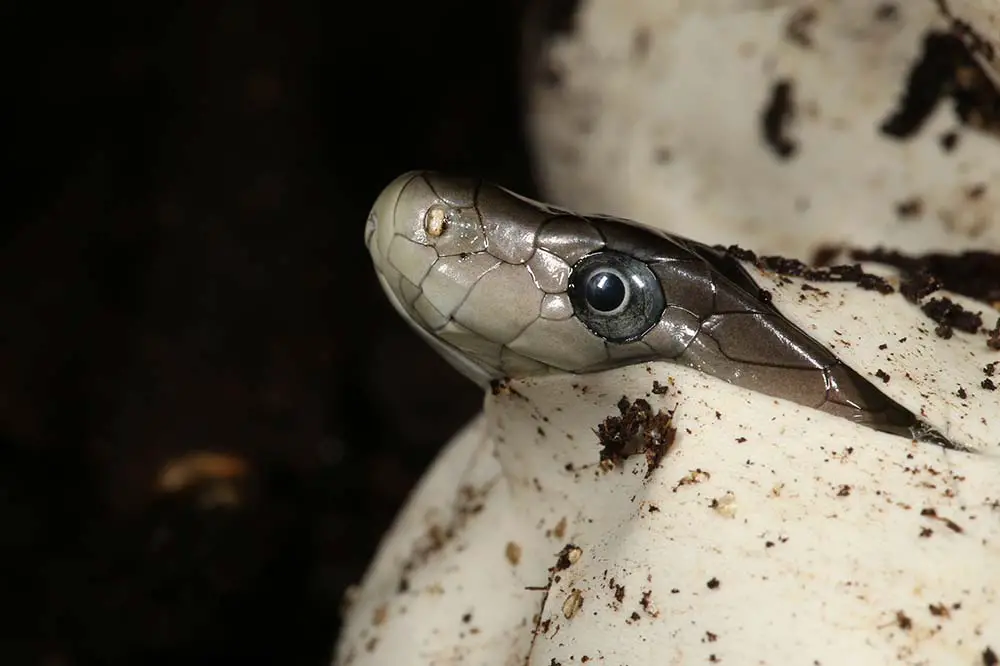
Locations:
{"points": [[461, 362]]}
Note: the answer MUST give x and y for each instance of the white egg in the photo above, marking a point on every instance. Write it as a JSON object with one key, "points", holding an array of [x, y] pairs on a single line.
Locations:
{"points": [[768, 532], [781, 126]]}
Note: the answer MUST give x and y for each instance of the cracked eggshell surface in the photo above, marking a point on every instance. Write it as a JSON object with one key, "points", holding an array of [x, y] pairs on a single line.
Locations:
{"points": [[780, 126], [768, 534]]}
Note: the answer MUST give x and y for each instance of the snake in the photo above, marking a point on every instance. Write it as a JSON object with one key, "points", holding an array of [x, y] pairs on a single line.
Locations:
{"points": [[506, 287]]}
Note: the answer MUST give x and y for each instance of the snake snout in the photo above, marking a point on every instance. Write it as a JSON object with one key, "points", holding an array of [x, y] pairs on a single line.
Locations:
{"points": [[382, 222]]}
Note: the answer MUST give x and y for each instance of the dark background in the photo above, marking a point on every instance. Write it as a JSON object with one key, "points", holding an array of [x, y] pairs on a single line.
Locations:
{"points": [[183, 270]]}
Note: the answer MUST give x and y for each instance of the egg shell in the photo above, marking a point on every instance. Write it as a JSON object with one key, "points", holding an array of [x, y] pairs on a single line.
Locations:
{"points": [[780, 126]]}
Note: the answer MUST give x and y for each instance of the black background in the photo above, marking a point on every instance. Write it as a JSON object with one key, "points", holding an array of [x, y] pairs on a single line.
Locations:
{"points": [[183, 270]]}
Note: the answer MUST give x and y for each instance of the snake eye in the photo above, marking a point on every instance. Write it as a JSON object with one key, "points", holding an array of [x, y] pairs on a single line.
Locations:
{"points": [[616, 296], [606, 291]]}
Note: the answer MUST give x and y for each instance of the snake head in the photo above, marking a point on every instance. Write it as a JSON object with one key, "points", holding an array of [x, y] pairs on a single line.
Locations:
{"points": [[485, 275], [503, 286]]}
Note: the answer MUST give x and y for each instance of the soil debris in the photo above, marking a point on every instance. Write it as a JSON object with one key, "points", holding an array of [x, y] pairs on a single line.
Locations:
{"points": [[636, 430]]}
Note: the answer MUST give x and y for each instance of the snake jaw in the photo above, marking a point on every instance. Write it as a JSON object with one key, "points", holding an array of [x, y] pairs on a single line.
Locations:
{"points": [[465, 364]]}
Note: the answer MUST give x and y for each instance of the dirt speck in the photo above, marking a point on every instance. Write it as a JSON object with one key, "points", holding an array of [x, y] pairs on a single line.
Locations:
{"points": [[808, 287], [618, 589], [949, 140], [694, 476], [972, 274], [776, 118], [573, 604], [945, 70], [950, 524], [799, 27], [907, 209], [725, 506], [886, 11], [939, 610], [513, 553], [559, 531], [637, 429], [950, 315], [713, 583], [993, 341], [796, 268], [646, 601], [568, 556], [503, 387]]}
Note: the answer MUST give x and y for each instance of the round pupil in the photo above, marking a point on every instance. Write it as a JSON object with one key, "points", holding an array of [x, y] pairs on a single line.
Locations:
{"points": [[605, 291]]}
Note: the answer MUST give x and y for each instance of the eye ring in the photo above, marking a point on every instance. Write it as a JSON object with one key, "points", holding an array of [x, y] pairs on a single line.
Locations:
{"points": [[615, 295]]}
